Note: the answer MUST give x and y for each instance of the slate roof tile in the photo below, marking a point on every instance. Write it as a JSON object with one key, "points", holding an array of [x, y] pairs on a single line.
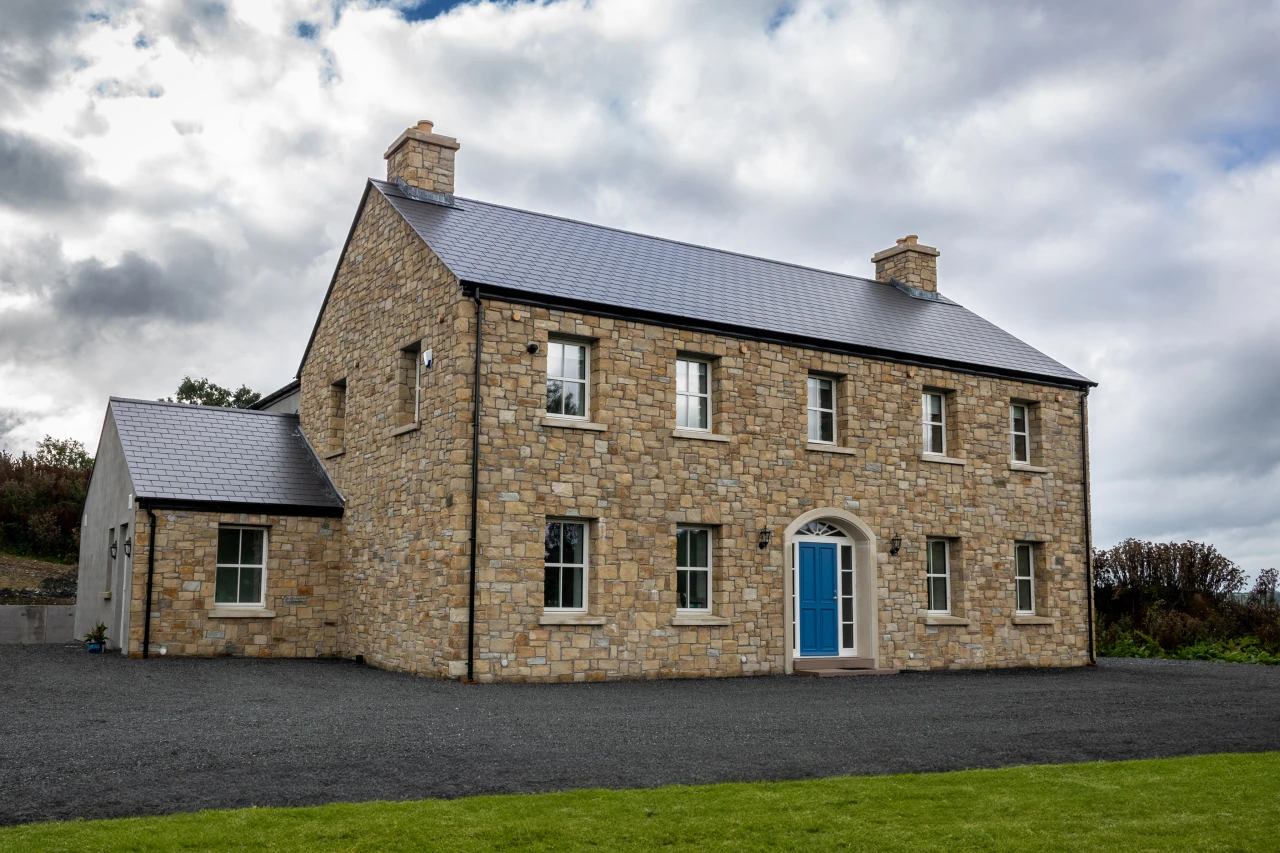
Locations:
{"points": [[560, 258], [181, 452]]}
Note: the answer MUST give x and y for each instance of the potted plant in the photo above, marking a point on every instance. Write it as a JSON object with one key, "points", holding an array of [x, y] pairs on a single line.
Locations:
{"points": [[97, 638]]}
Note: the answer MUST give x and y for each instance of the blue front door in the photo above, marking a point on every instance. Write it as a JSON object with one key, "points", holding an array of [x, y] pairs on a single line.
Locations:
{"points": [[818, 599]]}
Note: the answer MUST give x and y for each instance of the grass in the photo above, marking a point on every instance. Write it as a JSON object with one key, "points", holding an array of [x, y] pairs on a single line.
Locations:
{"points": [[1136, 644], [1206, 803]]}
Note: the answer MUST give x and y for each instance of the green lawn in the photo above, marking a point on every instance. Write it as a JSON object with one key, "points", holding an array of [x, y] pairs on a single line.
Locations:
{"points": [[1217, 802]]}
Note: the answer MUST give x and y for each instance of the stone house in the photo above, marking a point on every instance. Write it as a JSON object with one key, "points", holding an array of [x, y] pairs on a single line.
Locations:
{"points": [[551, 450]]}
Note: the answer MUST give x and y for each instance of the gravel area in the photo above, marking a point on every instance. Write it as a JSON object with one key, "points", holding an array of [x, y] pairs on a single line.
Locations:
{"points": [[98, 736]]}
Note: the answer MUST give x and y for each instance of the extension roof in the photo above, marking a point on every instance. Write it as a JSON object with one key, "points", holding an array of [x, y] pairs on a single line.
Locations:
{"points": [[533, 258], [181, 454]]}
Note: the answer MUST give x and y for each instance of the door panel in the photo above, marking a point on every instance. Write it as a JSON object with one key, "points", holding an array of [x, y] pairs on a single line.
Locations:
{"points": [[818, 614]]}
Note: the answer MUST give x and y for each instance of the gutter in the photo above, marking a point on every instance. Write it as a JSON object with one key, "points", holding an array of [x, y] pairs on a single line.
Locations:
{"points": [[475, 486], [151, 573], [1088, 520]]}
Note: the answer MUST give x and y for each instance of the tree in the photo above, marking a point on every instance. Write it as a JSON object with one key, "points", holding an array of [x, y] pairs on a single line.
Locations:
{"points": [[63, 453], [202, 392]]}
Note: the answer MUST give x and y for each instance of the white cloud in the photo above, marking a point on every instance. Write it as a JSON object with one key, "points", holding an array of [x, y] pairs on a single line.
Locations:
{"points": [[1102, 180]]}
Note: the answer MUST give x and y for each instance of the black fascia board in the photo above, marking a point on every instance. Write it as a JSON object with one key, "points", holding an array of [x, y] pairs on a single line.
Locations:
{"points": [[538, 300], [301, 510]]}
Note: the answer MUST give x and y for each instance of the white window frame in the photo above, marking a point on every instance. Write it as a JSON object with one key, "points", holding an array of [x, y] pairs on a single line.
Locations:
{"points": [[585, 381], [930, 572], [928, 424], [262, 567], [708, 569], [1029, 579], [814, 409], [1025, 433], [417, 384], [585, 565], [688, 365]]}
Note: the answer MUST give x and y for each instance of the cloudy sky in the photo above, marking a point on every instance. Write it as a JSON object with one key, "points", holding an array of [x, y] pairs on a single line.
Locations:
{"points": [[1103, 180]]}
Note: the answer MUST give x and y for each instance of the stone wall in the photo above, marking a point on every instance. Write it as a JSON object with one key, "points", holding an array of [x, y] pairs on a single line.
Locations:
{"points": [[304, 609], [406, 485], [636, 481]]}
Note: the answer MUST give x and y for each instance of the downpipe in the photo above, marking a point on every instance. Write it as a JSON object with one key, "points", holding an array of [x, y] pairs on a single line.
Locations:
{"points": [[475, 486], [151, 574], [1088, 521]]}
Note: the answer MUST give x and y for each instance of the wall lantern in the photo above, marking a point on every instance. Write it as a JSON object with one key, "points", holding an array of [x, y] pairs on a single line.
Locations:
{"points": [[112, 549], [128, 547], [766, 536], [895, 545]]}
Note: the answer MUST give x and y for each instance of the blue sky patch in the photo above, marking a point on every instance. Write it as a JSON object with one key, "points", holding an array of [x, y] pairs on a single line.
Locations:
{"points": [[306, 30]]}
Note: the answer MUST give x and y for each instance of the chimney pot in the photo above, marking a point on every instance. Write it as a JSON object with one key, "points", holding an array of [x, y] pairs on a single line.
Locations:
{"points": [[909, 262], [425, 125]]}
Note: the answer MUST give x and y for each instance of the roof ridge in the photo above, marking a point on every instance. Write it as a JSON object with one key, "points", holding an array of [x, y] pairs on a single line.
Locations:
{"points": [[229, 409], [671, 240]]}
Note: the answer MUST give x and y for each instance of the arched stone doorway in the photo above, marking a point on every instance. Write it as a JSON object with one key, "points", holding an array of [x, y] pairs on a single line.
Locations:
{"points": [[830, 581]]}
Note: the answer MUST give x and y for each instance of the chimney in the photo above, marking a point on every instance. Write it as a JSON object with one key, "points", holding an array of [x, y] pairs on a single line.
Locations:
{"points": [[910, 263], [422, 159]]}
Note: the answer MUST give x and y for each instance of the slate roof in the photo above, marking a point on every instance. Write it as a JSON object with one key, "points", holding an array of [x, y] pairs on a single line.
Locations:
{"points": [[208, 454], [516, 251]]}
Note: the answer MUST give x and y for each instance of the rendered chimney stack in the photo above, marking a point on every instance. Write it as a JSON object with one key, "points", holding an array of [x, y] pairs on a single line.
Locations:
{"points": [[910, 263], [422, 159]]}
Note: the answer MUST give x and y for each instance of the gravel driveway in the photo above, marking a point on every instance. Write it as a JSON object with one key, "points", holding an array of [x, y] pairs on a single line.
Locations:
{"points": [[99, 736]]}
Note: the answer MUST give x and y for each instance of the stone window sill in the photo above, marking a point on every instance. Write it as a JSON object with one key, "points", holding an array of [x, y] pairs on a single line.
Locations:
{"points": [[333, 454], [814, 447], [1027, 469], [401, 430], [570, 423], [688, 620], [222, 612], [939, 619], [941, 460], [570, 619], [106, 595], [700, 435], [1028, 619]]}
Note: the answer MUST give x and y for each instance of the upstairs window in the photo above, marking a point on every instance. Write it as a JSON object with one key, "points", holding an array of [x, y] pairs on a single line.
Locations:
{"points": [[938, 575], [822, 410], [337, 416], [693, 569], [693, 394], [1019, 433], [565, 558], [1024, 569], [568, 371], [242, 566], [935, 423], [410, 375]]}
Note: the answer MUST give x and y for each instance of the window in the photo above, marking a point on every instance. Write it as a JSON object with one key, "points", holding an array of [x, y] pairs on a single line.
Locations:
{"points": [[1025, 577], [693, 569], [565, 557], [337, 415], [693, 394], [1019, 433], [567, 372], [847, 640], [410, 378], [935, 424], [938, 575], [242, 566], [822, 410]]}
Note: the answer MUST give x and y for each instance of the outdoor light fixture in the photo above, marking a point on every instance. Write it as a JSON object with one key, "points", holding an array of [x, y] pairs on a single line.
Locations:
{"points": [[766, 536], [128, 547], [895, 545], [112, 549], [531, 347]]}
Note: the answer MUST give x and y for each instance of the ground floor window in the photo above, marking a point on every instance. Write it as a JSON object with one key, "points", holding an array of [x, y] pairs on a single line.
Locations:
{"points": [[565, 558], [693, 569], [242, 556], [938, 575], [1025, 578]]}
